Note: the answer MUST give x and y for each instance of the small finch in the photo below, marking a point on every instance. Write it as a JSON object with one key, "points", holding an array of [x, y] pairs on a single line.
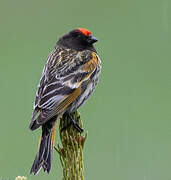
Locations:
{"points": [[70, 75]]}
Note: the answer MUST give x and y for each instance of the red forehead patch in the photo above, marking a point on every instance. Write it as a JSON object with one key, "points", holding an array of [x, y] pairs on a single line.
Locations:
{"points": [[86, 32]]}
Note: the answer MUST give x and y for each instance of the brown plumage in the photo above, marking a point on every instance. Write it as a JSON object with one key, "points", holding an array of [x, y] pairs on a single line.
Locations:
{"points": [[68, 79]]}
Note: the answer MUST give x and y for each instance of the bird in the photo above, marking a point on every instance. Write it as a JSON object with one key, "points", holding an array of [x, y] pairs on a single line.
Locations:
{"points": [[69, 77]]}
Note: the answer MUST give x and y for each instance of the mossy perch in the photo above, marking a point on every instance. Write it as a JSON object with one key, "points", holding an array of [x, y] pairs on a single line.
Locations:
{"points": [[71, 152]]}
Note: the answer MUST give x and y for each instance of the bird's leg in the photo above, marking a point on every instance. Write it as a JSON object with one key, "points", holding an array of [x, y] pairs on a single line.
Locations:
{"points": [[72, 122], [75, 123]]}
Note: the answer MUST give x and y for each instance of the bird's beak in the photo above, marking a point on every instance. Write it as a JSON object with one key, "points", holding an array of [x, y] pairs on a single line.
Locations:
{"points": [[92, 39]]}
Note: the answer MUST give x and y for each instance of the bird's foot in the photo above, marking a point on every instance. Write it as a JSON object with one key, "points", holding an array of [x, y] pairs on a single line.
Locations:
{"points": [[74, 123]]}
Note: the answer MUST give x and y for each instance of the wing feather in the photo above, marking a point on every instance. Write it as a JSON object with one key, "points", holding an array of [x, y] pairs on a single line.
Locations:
{"points": [[61, 82]]}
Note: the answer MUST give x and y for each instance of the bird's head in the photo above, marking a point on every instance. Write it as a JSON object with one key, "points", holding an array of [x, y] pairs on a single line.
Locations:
{"points": [[79, 39]]}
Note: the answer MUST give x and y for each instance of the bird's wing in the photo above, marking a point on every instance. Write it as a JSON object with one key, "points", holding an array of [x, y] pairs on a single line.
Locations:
{"points": [[65, 85]]}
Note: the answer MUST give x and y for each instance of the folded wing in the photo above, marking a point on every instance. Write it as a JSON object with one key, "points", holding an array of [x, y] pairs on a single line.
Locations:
{"points": [[54, 95]]}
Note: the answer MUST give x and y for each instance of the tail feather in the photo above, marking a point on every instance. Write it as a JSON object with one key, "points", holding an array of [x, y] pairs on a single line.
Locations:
{"points": [[44, 156], [48, 153], [47, 157], [47, 164]]}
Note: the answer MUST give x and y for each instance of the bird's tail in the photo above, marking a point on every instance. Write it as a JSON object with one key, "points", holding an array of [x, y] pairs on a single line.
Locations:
{"points": [[45, 151]]}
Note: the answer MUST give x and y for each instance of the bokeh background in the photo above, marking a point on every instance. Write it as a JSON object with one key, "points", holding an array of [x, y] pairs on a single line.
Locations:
{"points": [[128, 117]]}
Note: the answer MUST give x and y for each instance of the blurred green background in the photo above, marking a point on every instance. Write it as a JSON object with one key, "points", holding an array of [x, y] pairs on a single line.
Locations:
{"points": [[128, 117]]}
